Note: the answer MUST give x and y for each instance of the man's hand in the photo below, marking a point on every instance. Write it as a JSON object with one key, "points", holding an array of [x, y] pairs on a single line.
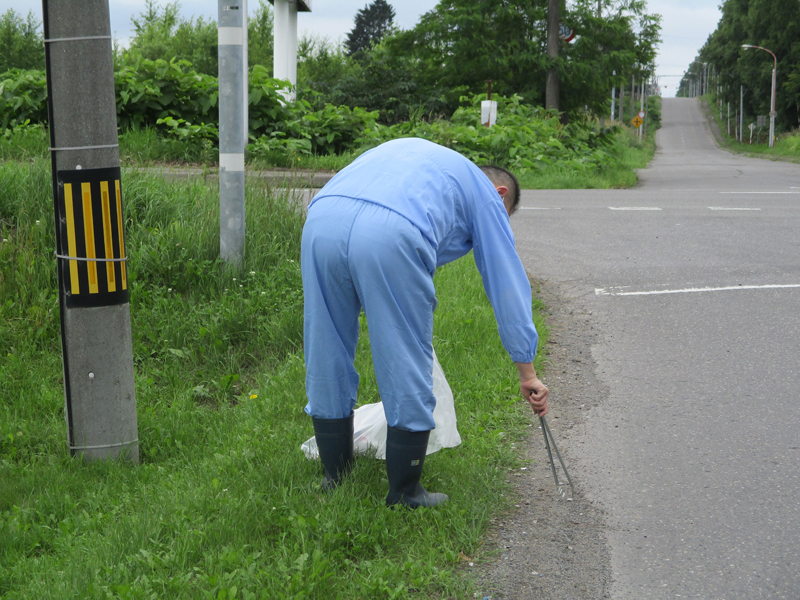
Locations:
{"points": [[536, 393]]}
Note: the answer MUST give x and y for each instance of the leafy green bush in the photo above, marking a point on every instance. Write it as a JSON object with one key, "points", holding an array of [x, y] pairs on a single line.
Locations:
{"points": [[23, 97], [149, 90], [525, 137], [182, 105]]}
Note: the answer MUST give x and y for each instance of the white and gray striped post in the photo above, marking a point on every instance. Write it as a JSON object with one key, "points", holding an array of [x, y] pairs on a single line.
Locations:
{"points": [[284, 63], [233, 129], [94, 296]]}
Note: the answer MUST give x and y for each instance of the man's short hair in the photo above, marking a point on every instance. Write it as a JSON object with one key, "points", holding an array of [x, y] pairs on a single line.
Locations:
{"points": [[500, 176]]}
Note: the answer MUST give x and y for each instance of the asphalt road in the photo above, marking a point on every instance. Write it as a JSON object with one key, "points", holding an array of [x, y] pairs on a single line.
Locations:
{"points": [[691, 281]]}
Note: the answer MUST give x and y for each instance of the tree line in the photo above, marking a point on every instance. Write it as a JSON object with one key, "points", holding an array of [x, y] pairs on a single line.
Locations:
{"points": [[771, 24], [450, 53]]}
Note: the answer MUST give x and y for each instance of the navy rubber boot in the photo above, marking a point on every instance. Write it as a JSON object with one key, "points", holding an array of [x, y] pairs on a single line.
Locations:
{"points": [[405, 457], [335, 444]]}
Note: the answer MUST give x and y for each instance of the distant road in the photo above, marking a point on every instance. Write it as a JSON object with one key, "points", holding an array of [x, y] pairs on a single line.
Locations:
{"points": [[693, 283]]}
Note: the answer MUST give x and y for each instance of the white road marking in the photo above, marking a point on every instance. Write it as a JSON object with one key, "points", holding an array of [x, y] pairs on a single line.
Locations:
{"points": [[634, 208], [759, 192], [610, 292], [726, 208], [537, 208]]}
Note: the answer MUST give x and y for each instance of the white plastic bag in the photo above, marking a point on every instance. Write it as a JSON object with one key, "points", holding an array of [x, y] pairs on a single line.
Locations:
{"points": [[369, 427]]}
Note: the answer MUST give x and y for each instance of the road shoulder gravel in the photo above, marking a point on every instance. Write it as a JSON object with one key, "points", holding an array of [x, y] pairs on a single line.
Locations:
{"points": [[549, 547]]}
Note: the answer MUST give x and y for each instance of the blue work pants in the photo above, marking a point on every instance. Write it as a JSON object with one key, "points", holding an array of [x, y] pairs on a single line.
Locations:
{"points": [[359, 254]]}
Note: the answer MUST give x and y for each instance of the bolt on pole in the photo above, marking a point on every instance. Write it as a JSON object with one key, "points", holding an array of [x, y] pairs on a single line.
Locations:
{"points": [[232, 129], [94, 297]]}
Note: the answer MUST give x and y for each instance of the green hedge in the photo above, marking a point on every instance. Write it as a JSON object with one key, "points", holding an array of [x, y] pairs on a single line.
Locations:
{"points": [[182, 104]]}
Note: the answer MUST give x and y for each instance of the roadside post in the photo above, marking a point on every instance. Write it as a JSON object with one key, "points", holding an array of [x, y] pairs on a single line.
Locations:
{"points": [[633, 94], [641, 108], [729, 118], [613, 97], [233, 127], [94, 297], [552, 90], [741, 114]]}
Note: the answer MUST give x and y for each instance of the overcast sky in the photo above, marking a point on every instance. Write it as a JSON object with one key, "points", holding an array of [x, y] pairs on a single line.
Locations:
{"points": [[685, 27]]}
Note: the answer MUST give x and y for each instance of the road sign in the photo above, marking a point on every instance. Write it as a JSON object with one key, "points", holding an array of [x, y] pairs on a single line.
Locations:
{"points": [[762, 120], [637, 121], [565, 32], [641, 114]]}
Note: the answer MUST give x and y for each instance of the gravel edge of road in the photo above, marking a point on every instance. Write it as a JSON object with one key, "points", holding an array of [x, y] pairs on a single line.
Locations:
{"points": [[550, 548]]}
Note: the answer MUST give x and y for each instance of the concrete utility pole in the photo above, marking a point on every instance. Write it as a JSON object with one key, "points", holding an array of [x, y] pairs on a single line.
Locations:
{"points": [[600, 51], [741, 114], [621, 103], [285, 40], [641, 107], [729, 118], [633, 96], [233, 127], [94, 298], [645, 93], [613, 99], [553, 83]]}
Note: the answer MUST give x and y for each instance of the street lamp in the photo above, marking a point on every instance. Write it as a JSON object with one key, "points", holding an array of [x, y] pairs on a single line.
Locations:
{"points": [[774, 75]]}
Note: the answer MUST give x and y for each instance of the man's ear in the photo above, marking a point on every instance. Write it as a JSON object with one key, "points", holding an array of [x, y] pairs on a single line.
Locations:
{"points": [[502, 190]]}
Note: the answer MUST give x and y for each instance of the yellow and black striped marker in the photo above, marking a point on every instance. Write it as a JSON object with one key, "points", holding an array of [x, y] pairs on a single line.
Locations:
{"points": [[91, 240]]}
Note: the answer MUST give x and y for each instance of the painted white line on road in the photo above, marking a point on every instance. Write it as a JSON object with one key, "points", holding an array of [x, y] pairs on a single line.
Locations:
{"points": [[634, 208], [759, 192], [537, 208], [610, 292], [726, 208]]}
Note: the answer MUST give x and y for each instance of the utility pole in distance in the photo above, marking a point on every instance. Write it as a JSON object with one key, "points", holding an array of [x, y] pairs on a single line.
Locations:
{"points": [[553, 82], [94, 298]]}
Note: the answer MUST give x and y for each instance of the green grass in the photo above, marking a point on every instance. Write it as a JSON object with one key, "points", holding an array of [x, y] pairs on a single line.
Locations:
{"points": [[322, 162], [145, 148], [787, 144], [631, 154], [24, 143], [224, 504]]}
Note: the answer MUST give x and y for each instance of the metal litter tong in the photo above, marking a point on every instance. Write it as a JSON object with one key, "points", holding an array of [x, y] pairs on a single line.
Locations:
{"points": [[548, 439]]}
